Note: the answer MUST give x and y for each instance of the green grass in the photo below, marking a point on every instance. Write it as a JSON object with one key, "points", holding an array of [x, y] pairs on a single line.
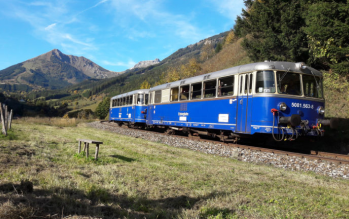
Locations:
{"points": [[134, 178]]}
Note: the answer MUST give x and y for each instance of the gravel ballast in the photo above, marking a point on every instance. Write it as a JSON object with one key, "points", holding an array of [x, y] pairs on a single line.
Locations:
{"points": [[277, 160]]}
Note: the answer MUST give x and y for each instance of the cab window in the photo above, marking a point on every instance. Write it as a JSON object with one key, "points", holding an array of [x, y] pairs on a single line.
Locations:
{"points": [[265, 82], [312, 86], [289, 83]]}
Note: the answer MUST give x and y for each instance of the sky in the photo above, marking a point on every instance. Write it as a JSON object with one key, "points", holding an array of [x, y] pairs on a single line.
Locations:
{"points": [[115, 34]]}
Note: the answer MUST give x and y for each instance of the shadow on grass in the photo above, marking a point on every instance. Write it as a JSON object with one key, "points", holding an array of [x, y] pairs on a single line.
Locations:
{"points": [[127, 159], [96, 202]]}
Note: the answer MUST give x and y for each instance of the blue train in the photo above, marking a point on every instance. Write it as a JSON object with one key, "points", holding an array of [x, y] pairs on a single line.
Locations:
{"points": [[130, 108], [282, 99]]}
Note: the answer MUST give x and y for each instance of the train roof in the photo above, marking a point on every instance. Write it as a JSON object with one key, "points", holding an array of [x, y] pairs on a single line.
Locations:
{"points": [[141, 91], [299, 67]]}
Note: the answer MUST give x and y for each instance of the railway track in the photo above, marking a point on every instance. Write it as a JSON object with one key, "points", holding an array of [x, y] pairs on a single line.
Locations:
{"points": [[313, 155]]}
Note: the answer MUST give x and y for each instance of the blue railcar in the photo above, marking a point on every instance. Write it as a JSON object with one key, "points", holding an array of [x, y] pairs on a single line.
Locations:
{"points": [[129, 108], [281, 98]]}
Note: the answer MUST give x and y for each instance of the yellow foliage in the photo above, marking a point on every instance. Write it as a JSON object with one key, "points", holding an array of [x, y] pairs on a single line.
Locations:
{"points": [[230, 38], [145, 85], [207, 51]]}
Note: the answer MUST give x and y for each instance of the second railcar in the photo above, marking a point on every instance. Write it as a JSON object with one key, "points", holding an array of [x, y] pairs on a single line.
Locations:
{"points": [[129, 108]]}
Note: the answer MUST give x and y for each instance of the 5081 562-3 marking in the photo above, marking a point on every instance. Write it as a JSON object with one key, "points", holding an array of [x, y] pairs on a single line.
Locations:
{"points": [[302, 105]]}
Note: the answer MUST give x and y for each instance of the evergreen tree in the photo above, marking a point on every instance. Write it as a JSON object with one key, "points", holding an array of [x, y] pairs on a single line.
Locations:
{"points": [[328, 35], [273, 30], [103, 108]]}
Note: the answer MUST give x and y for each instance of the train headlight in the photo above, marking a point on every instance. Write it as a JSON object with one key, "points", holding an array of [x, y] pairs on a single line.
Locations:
{"points": [[282, 106], [321, 110]]}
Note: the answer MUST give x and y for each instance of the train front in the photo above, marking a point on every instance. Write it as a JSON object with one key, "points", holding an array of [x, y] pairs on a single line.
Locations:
{"points": [[294, 101]]}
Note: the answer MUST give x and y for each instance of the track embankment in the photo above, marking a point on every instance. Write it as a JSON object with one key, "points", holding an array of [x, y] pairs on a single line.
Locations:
{"points": [[317, 162]]}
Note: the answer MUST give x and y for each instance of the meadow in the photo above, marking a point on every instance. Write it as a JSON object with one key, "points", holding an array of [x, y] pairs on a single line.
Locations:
{"points": [[42, 176]]}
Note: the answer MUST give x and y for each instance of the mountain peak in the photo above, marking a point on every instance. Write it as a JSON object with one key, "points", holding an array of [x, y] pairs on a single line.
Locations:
{"points": [[143, 64], [54, 69]]}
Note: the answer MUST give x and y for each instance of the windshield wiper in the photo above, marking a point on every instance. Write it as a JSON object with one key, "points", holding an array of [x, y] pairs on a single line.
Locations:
{"points": [[282, 77]]}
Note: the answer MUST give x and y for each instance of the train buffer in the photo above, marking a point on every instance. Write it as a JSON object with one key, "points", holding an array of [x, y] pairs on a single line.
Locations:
{"points": [[87, 143]]}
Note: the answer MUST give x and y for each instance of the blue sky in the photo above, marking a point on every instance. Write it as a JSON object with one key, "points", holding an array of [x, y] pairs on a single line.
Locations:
{"points": [[115, 34]]}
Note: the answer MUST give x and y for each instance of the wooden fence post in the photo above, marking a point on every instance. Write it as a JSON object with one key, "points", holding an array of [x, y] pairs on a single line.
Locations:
{"points": [[10, 120], [6, 116], [2, 120]]}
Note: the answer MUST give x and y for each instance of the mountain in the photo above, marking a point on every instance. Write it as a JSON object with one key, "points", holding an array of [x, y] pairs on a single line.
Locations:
{"points": [[143, 64], [53, 70]]}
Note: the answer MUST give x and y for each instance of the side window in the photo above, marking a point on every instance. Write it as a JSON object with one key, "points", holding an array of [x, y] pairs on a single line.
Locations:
{"points": [[146, 99], [210, 89], [196, 91], [174, 94], [184, 92], [139, 99], [165, 95], [247, 78], [158, 96], [226, 86], [131, 100]]}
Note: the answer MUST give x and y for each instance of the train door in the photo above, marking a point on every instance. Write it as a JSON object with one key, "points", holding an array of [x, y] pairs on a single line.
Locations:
{"points": [[244, 106]]}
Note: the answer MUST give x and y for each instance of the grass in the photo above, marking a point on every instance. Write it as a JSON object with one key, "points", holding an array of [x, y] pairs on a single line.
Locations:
{"points": [[59, 122], [134, 178]]}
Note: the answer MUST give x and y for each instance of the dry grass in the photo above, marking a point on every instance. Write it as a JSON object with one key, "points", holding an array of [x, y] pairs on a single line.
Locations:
{"points": [[56, 121], [135, 178], [231, 55]]}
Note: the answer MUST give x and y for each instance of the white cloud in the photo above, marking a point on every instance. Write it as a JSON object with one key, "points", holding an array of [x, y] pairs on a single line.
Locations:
{"points": [[72, 39], [128, 64], [53, 24], [152, 15], [49, 27], [229, 8]]}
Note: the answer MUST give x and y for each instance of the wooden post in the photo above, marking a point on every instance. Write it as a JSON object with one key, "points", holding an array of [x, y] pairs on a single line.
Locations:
{"points": [[97, 149], [87, 149], [2, 120], [79, 147], [6, 117], [10, 120]]}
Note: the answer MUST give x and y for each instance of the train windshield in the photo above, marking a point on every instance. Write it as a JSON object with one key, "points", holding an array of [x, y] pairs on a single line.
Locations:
{"points": [[312, 86], [289, 83], [265, 82]]}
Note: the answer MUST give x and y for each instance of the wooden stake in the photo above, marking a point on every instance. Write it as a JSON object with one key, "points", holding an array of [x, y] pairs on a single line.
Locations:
{"points": [[97, 149], [87, 149], [10, 120], [2, 120], [6, 117], [79, 147]]}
